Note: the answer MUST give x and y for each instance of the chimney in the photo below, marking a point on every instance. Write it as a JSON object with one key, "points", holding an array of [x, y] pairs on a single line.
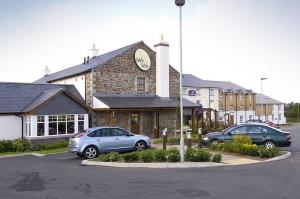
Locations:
{"points": [[94, 52], [47, 70], [162, 68]]}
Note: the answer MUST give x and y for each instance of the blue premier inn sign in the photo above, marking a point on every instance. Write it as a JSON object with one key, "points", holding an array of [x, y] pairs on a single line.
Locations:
{"points": [[142, 59], [192, 92]]}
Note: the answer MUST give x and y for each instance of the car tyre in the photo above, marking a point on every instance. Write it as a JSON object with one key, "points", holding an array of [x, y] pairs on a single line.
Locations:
{"points": [[269, 144], [90, 152], [140, 146]]}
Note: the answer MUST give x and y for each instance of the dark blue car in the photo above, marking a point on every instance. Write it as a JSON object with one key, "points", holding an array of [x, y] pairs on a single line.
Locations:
{"points": [[260, 134]]}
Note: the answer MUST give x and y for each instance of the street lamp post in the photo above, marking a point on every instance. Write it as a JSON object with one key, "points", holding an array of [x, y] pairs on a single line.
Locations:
{"points": [[261, 94], [180, 3]]}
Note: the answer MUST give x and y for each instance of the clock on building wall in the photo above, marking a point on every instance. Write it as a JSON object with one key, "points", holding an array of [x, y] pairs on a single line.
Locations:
{"points": [[142, 59]]}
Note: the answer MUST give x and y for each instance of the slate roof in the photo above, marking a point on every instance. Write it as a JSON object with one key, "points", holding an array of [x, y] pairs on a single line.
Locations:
{"points": [[263, 99], [16, 97], [136, 102], [190, 80], [82, 68]]}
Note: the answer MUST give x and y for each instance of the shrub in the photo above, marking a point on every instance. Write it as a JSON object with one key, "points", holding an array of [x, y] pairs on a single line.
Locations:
{"points": [[173, 155], [217, 158], [37, 147], [147, 156], [189, 154], [268, 153], [173, 141], [249, 149], [6, 146], [241, 139], [158, 141], [160, 155], [131, 157], [201, 156], [109, 157], [56, 145], [21, 145]]}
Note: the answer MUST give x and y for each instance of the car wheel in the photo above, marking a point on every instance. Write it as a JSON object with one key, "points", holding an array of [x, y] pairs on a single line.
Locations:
{"points": [[90, 152], [140, 146], [269, 144]]}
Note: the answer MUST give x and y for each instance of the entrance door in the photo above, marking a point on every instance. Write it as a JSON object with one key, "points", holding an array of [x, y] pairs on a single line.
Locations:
{"points": [[135, 123]]}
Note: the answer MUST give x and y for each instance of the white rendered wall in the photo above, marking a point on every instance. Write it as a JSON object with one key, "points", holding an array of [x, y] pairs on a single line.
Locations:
{"points": [[78, 82], [162, 70], [10, 127], [204, 95]]}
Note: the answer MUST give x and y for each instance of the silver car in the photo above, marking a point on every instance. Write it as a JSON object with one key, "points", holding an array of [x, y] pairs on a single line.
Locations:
{"points": [[91, 142]]}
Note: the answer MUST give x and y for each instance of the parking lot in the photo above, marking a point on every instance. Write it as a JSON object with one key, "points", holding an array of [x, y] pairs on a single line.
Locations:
{"points": [[62, 176]]}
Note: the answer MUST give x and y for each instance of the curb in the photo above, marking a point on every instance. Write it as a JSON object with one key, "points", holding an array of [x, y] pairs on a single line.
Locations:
{"points": [[23, 154], [152, 165], [282, 157], [175, 165]]}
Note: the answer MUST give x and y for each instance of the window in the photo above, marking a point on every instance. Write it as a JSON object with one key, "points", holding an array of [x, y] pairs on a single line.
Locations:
{"points": [[241, 119], [119, 132], [28, 126], [62, 124], [70, 124], [279, 107], [239, 130], [241, 107], [140, 84], [80, 123], [52, 124], [273, 117], [279, 116], [250, 117], [211, 92], [250, 107], [255, 129], [40, 125]]}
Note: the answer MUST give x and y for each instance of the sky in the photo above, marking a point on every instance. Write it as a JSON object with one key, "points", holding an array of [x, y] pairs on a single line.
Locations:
{"points": [[229, 40]]}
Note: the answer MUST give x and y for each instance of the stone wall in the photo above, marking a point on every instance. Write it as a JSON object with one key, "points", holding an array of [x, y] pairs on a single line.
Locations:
{"points": [[89, 89], [118, 75], [167, 119], [47, 140], [174, 82]]}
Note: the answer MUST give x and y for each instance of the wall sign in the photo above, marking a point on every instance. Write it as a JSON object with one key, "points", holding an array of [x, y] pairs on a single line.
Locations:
{"points": [[192, 92], [142, 59]]}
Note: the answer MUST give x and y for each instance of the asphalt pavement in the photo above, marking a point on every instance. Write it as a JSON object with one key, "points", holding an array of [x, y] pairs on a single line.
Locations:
{"points": [[63, 177]]}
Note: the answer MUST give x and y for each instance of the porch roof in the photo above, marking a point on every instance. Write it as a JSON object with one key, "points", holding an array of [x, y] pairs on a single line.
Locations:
{"points": [[140, 102]]}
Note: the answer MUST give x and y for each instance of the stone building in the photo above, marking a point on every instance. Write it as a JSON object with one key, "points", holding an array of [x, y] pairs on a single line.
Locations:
{"points": [[133, 87]]}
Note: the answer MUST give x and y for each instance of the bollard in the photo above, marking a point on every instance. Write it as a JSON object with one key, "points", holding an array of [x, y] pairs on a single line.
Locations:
{"points": [[165, 139], [199, 138], [189, 140]]}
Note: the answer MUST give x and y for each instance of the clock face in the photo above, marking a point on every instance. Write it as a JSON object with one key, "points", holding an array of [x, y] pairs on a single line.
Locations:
{"points": [[142, 59]]}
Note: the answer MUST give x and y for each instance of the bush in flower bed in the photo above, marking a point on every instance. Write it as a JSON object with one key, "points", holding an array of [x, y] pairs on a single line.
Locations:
{"points": [[198, 155], [147, 156], [173, 155], [131, 157], [160, 155], [21, 145], [216, 158], [110, 157], [243, 145]]}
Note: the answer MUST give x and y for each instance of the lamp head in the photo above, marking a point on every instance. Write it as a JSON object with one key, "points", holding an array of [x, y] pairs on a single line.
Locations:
{"points": [[179, 2]]}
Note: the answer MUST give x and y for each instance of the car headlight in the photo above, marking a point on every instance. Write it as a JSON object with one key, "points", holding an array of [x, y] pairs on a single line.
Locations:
{"points": [[205, 138]]}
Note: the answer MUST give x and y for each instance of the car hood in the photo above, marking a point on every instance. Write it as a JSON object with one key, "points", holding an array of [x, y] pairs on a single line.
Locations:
{"points": [[141, 136]]}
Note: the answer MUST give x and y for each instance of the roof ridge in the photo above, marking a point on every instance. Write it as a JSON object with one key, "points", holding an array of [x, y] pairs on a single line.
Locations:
{"points": [[95, 57]]}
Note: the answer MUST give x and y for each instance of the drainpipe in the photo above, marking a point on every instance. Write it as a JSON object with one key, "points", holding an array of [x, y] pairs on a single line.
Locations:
{"points": [[22, 136]]}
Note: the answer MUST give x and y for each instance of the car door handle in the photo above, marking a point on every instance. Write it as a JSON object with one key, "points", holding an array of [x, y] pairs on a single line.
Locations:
{"points": [[117, 138], [98, 140]]}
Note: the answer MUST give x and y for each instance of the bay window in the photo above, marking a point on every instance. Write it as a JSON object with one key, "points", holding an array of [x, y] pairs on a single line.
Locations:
{"points": [[40, 125]]}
